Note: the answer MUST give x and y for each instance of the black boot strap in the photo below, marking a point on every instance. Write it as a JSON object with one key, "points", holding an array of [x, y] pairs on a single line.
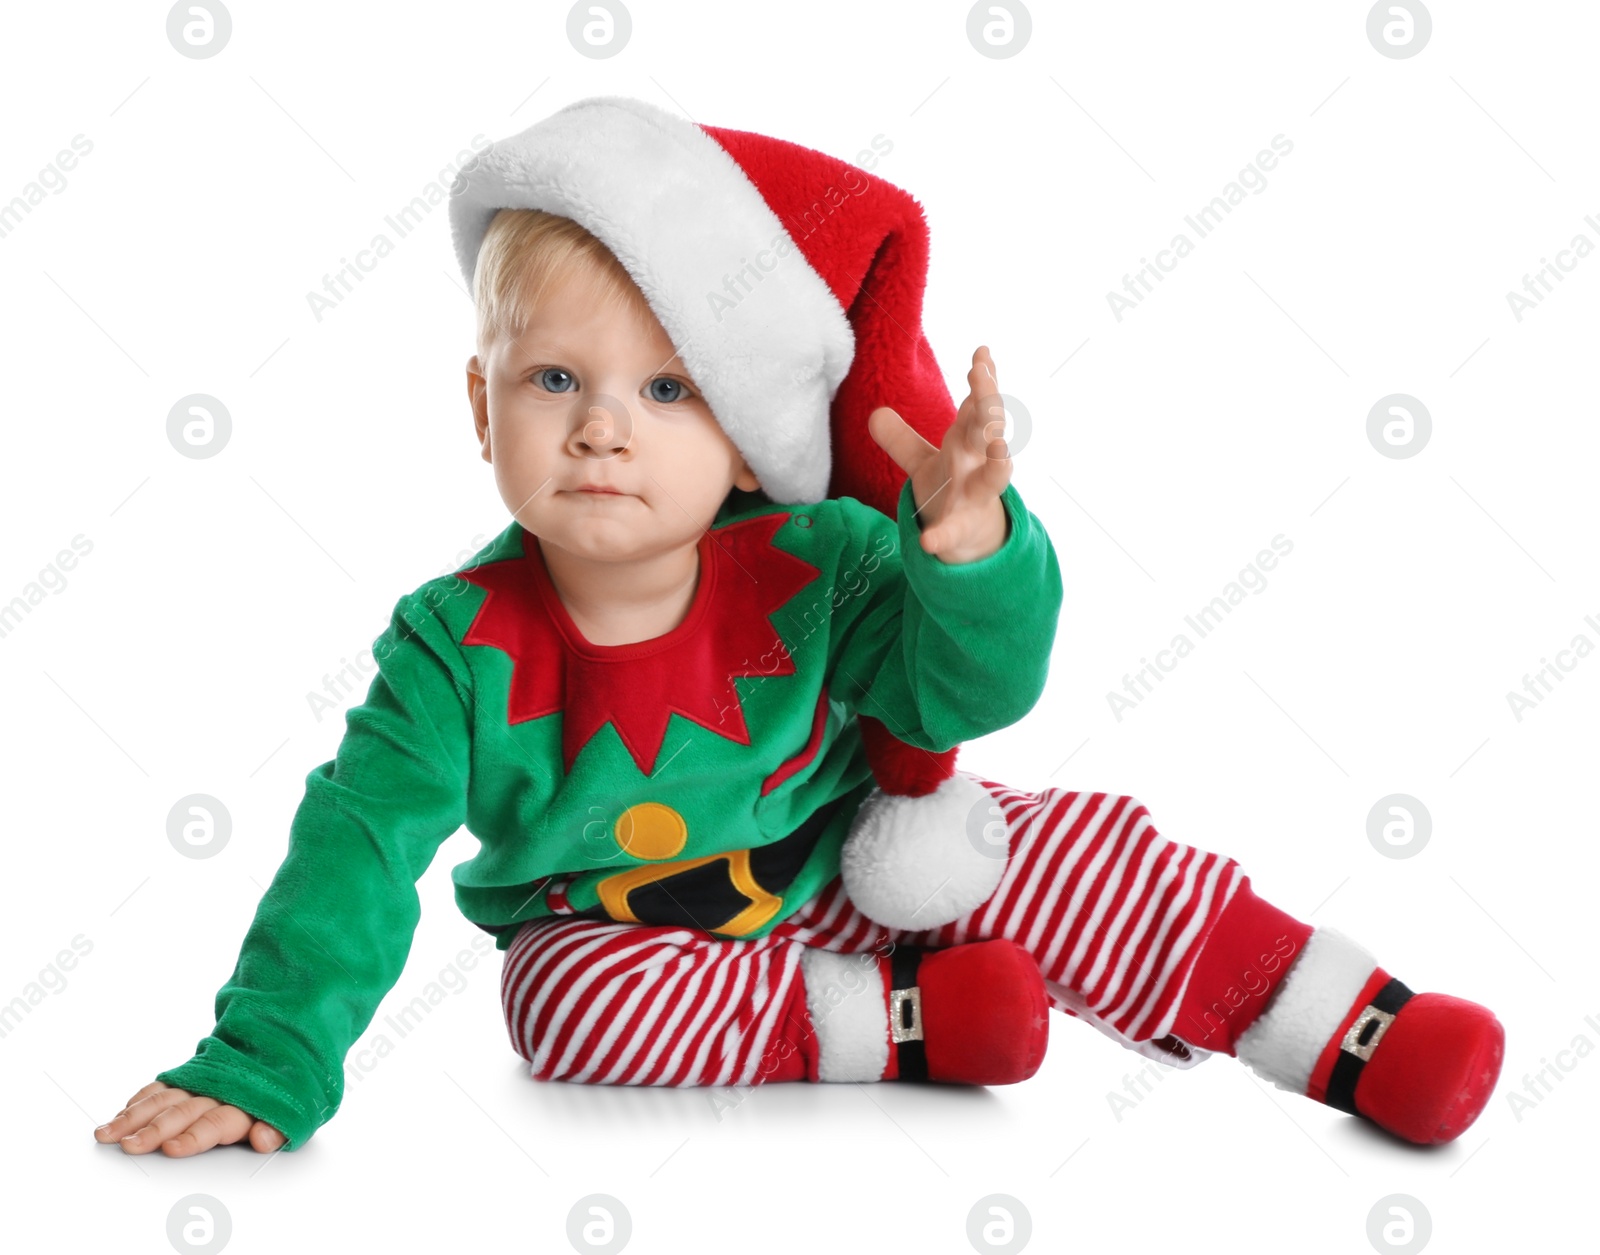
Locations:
{"points": [[1360, 1040], [905, 1012]]}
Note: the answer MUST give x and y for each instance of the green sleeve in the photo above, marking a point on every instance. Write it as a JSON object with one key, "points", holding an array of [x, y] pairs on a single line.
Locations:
{"points": [[941, 652], [331, 934]]}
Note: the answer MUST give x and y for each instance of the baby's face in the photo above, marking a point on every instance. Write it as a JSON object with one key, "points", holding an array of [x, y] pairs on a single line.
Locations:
{"points": [[594, 394]]}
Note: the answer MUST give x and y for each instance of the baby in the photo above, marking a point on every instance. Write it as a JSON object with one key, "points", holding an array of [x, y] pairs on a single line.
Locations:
{"points": [[655, 695]]}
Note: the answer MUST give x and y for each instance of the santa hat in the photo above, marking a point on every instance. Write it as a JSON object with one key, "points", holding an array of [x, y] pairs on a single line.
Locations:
{"points": [[790, 282]]}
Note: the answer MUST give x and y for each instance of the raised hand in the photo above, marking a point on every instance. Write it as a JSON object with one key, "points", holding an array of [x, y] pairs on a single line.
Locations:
{"points": [[957, 486]]}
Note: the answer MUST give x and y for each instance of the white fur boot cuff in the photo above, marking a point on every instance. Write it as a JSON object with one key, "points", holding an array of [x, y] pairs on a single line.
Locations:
{"points": [[1321, 985], [845, 998]]}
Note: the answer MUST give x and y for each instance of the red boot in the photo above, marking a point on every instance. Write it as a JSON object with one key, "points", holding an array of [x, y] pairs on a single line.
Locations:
{"points": [[1341, 1030], [974, 1014]]}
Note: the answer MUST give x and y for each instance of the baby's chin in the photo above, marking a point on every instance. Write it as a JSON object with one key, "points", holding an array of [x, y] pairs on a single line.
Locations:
{"points": [[605, 539]]}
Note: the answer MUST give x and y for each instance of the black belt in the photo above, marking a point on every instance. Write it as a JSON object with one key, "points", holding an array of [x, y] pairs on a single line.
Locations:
{"points": [[1360, 1040], [905, 1012], [706, 896]]}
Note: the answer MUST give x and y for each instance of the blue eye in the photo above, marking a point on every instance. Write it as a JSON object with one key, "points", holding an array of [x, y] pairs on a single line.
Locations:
{"points": [[543, 378], [678, 391]]}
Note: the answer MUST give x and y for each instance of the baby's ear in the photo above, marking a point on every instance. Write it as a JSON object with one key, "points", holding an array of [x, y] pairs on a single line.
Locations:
{"points": [[478, 399], [746, 478]]}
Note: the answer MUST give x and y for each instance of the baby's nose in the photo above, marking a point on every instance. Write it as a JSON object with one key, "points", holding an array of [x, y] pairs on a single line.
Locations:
{"points": [[604, 423]]}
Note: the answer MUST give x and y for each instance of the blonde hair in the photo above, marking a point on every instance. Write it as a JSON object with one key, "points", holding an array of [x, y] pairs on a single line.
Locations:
{"points": [[524, 253]]}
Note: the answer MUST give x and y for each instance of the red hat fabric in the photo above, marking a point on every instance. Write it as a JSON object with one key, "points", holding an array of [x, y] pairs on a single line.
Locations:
{"points": [[868, 241]]}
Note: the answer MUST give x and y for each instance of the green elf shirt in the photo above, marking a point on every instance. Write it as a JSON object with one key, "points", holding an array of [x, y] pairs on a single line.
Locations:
{"points": [[706, 777]]}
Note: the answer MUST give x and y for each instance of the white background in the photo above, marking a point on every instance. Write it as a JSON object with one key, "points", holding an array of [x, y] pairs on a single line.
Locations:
{"points": [[1229, 407]]}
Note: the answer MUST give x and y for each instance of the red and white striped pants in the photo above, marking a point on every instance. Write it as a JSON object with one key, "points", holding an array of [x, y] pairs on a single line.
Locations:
{"points": [[1112, 911]]}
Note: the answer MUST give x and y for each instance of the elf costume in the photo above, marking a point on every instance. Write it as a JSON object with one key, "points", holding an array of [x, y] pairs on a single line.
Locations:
{"points": [[741, 851]]}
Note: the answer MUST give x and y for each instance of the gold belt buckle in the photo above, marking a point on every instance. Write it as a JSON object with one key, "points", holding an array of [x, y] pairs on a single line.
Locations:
{"points": [[1352, 1038], [899, 999]]}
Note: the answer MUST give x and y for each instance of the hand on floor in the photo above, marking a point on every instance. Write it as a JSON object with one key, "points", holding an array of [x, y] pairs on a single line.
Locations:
{"points": [[181, 1123]]}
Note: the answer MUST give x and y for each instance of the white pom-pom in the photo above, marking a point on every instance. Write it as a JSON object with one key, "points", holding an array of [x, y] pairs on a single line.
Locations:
{"points": [[919, 862]]}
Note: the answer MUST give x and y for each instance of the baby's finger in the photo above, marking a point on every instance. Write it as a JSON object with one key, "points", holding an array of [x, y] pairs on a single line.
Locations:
{"points": [[984, 407], [141, 1109], [264, 1137], [145, 1091], [991, 421], [220, 1125], [982, 378], [155, 1087], [899, 439], [167, 1123], [991, 478]]}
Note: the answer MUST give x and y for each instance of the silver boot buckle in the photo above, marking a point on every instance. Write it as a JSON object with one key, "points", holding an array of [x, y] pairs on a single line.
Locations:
{"points": [[905, 1013]]}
